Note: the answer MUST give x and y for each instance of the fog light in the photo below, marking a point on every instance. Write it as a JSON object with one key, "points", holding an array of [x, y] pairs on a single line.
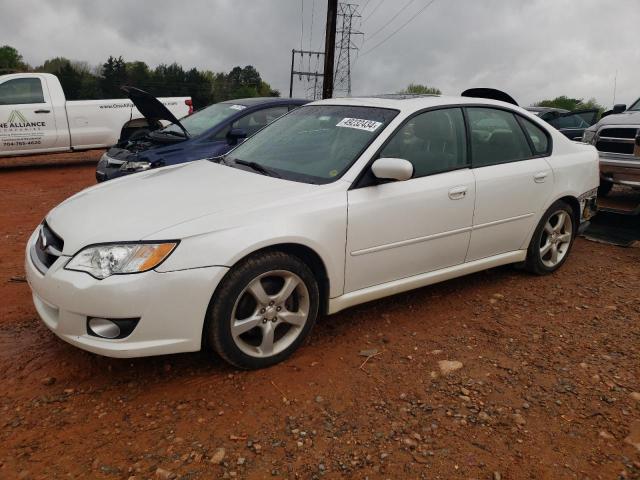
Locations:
{"points": [[111, 328], [101, 327]]}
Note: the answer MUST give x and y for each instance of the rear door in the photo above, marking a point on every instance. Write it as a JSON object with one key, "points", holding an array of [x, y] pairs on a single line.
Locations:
{"points": [[513, 180], [27, 122]]}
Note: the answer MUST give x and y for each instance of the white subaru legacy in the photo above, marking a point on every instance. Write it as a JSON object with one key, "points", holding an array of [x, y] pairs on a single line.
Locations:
{"points": [[336, 203]]}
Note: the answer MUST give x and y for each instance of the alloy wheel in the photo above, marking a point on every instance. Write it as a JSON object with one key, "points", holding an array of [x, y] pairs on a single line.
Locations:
{"points": [[556, 238], [270, 313]]}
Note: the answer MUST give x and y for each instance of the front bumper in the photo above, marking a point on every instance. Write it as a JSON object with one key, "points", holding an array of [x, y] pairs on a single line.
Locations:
{"points": [[171, 307], [620, 168]]}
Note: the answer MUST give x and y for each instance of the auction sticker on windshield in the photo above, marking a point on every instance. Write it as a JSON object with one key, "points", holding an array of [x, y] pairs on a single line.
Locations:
{"points": [[237, 107], [360, 124]]}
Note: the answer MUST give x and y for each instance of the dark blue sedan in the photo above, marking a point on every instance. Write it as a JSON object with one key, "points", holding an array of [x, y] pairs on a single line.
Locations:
{"points": [[210, 132]]}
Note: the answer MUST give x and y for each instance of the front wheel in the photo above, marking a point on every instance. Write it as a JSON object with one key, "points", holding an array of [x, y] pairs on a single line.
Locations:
{"points": [[552, 240], [263, 310]]}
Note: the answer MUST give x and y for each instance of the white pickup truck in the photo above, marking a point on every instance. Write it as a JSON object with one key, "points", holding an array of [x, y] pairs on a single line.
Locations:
{"points": [[35, 117]]}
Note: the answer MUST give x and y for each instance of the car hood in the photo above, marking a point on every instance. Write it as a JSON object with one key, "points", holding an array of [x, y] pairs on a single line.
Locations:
{"points": [[136, 207], [151, 108], [624, 118]]}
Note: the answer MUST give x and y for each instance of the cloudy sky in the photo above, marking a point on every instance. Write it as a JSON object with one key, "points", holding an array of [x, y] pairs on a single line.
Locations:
{"points": [[533, 49]]}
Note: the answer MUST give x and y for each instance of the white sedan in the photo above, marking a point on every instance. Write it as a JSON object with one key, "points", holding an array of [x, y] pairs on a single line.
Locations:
{"points": [[337, 203]]}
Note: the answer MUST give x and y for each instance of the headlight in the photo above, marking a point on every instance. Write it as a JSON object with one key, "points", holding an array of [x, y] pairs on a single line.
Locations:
{"points": [[102, 261], [588, 136], [135, 166]]}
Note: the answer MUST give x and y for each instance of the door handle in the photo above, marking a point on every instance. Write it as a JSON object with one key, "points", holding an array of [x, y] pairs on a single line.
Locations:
{"points": [[457, 193], [42, 111], [540, 177]]}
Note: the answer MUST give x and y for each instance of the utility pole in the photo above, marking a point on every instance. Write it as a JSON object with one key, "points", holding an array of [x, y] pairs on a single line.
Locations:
{"points": [[347, 12], [330, 48]]}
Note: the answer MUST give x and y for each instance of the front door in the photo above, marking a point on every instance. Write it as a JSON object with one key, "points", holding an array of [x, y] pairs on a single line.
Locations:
{"points": [[27, 122], [400, 229]]}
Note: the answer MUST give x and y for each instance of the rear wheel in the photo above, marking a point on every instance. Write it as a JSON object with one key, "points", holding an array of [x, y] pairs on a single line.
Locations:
{"points": [[263, 310], [552, 240]]}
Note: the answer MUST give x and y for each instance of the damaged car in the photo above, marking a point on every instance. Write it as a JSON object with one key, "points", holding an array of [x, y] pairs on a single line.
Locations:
{"points": [[337, 203], [207, 133]]}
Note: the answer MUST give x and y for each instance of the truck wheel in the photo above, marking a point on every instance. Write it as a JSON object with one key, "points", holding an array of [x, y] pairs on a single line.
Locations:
{"points": [[604, 188], [263, 310], [552, 240]]}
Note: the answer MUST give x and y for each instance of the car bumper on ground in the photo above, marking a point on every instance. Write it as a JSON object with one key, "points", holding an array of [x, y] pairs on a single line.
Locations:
{"points": [[170, 308], [620, 168]]}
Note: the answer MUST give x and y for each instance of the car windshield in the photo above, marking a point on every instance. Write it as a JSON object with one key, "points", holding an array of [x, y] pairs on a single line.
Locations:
{"points": [[635, 106], [205, 119], [316, 143]]}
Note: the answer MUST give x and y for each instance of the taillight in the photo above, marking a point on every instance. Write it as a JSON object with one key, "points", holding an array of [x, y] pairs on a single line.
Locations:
{"points": [[189, 103]]}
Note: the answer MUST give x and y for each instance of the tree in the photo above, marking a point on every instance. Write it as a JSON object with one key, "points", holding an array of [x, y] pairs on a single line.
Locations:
{"points": [[570, 104], [418, 89], [114, 76], [81, 81], [11, 60], [76, 78]]}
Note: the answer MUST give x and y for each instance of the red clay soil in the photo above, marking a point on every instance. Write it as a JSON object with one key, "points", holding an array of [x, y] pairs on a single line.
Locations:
{"points": [[548, 386]]}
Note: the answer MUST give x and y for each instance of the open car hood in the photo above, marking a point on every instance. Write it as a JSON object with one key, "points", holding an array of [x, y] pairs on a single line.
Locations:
{"points": [[151, 108]]}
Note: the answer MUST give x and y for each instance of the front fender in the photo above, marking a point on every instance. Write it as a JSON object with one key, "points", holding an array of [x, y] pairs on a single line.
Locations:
{"points": [[321, 229]]}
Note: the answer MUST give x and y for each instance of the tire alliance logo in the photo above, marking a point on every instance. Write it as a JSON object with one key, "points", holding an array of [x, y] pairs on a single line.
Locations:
{"points": [[16, 117]]}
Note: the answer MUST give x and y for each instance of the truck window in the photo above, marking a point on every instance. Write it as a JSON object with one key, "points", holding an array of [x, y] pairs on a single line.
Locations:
{"points": [[21, 91]]}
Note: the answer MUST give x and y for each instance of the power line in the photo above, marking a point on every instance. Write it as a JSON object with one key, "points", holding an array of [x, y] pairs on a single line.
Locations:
{"points": [[373, 11], [390, 21], [400, 28]]}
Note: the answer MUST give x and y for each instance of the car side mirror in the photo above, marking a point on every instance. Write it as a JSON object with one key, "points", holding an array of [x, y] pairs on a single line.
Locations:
{"points": [[235, 135], [619, 108], [392, 169]]}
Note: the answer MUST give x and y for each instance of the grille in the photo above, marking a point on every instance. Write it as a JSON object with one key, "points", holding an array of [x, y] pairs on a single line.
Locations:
{"points": [[617, 140], [614, 147], [47, 248], [619, 132]]}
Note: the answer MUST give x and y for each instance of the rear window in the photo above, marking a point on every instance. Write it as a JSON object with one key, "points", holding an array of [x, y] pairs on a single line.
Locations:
{"points": [[538, 137]]}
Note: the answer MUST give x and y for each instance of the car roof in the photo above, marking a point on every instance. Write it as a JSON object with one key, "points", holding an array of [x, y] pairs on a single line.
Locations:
{"points": [[411, 103], [256, 101]]}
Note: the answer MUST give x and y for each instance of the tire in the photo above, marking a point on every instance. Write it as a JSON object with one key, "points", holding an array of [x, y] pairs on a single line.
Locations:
{"points": [[552, 240], [604, 188], [263, 310]]}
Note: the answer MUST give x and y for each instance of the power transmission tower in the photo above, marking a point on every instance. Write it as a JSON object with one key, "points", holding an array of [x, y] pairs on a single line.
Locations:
{"points": [[308, 75], [347, 13]]}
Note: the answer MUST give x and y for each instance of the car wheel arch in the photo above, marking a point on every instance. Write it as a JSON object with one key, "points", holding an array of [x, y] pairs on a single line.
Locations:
{"points": [[305, 253]]}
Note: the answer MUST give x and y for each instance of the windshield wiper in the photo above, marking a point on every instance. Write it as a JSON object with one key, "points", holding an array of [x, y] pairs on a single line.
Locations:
{"points": [[257, 167], [171, 132]]}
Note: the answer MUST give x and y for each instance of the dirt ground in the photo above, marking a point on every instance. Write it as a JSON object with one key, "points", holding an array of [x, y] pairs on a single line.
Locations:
{"points": [[548, 385]]}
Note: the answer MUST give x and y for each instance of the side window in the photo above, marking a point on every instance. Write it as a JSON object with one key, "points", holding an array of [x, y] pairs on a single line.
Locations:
{"points": [[21, 91], [432, 141], [538, 137], [496, 137], [253, 122]]}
